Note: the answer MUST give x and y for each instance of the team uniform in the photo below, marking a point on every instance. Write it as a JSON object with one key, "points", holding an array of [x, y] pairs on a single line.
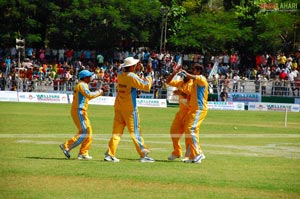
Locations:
{"points": [[195, 116], [81, 97], [177, 127], [126, 112]]}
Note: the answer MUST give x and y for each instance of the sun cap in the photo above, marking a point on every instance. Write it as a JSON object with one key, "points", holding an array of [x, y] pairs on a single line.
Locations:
{"points": [[85, 73], [129, 61]]}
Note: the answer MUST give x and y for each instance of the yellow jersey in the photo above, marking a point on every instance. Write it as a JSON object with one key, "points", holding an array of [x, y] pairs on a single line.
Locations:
{"points": [[128, 84], [82, 95], [184, 87], [199, 94]]}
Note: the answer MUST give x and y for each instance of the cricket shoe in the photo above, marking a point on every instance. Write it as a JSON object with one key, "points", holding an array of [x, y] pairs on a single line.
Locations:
{"points": [[173, 157], [66, 152], [196, 160], [147, 159], [108, 158], [185, 159], [84, 157]]}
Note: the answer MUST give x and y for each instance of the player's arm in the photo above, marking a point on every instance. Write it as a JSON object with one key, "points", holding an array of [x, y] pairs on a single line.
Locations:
{"points": [[85, 91], [142, 84], [200, 79]]}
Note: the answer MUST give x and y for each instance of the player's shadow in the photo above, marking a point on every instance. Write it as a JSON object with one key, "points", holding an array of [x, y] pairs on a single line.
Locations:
{"points": [[156, 160], [48, 158]]}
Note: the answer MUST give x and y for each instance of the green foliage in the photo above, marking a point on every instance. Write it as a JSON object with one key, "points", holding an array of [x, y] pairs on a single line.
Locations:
{"points": [[192, 24]]}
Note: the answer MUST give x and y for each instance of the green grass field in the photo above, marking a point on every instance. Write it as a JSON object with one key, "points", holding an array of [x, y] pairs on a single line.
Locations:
{"points": [[258, 159]]}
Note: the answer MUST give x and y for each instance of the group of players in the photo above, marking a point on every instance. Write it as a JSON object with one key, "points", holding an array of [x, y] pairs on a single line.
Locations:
{"points": [[192, 89]]}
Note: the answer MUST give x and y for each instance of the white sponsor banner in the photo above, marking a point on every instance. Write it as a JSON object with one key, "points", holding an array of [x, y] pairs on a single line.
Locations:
{"points": [[8, 96], [141, 102], [159, 103], [243, 97], [102, 100], [240, 106], [264, 106], [147, 95], [43, 97]]}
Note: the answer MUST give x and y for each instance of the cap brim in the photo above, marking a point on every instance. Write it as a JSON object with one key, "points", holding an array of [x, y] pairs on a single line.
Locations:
{"points": [[135, 61]]}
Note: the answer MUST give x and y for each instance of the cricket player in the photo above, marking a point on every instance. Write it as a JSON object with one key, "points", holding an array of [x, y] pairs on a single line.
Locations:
{"points": [[81, 97], [184, 86], [196, 114], [126, 112]]}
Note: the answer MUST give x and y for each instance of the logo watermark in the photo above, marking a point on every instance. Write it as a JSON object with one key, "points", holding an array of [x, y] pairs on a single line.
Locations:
{"points": [[281, 7]]}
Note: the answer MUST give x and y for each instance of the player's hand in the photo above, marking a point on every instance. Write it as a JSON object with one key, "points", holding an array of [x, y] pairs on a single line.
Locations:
{"points": [[149, 68], [177, 69]]}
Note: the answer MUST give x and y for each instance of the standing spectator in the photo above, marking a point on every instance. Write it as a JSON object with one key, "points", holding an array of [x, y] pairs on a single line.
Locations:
{"points": [[227, 83], [61, 55], [196, 115], [184, 86], [13, 52], [263, 81], [226, 59], [257, 82], [126, 112], [292, 78], [214, 82], [297, 86], [233, 61], [281, 60], [29, 52], [243, 83], [42, 55], [69, 55], [2, 82], [100, 60], [8, 65], [224, 95], [81, 97], [236, 80]]}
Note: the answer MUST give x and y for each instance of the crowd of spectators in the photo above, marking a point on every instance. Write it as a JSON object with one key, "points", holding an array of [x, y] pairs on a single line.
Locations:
{"points": [[58, 69]]}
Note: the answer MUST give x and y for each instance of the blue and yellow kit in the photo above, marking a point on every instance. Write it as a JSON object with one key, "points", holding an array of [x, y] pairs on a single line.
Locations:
{"points": [[81, 97], [196, 115], [126, 112], [177, 127]]}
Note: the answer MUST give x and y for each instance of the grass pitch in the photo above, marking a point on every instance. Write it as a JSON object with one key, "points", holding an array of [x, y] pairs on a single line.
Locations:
{"points": [[248, 155]]}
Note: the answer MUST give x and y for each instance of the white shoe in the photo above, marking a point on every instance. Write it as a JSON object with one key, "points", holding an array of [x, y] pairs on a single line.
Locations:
{"points": [[185, 159], [196, 160], [146, 159], [84, 157], [108, 158], [173, 157]]}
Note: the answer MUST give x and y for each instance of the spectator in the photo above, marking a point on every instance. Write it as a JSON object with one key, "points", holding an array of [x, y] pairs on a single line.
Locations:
{"points": [[236, 80], [264, 81], [292, 78], [224, 95], [2, 82], [214, 82], [257, 83], [243, 83], [8, 65]]}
